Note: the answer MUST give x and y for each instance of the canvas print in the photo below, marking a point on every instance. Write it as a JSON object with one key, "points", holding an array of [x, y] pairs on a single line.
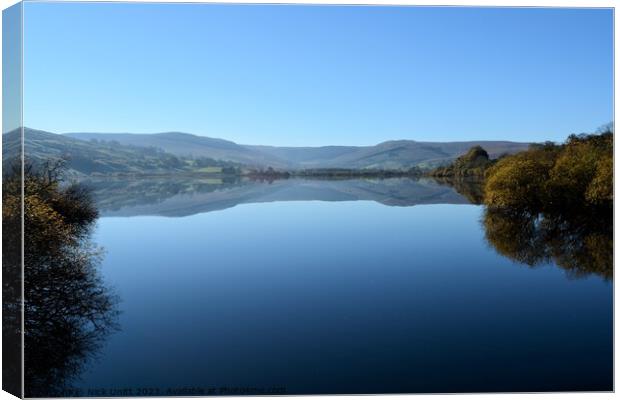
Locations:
{"points": [[250, 199]]}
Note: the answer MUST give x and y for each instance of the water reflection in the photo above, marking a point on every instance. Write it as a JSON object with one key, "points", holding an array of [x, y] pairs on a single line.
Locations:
{"points": [[183, 197], [470, 188], [68, 311], [577, 240], [580, 244]]}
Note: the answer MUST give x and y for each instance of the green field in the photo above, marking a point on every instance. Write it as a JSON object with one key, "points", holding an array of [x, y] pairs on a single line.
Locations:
{"points": [[210, 170]]}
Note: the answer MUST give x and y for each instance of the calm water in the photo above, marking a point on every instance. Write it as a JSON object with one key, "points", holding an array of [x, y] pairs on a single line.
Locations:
{"points": [[327, 288]]}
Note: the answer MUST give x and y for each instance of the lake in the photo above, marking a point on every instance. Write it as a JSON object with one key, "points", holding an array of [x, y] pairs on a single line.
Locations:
{"points": [[316, 287]]}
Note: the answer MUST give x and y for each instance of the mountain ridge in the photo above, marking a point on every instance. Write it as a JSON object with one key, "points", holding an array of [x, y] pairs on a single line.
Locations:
{"points": [[174, 152], [390, 154]]}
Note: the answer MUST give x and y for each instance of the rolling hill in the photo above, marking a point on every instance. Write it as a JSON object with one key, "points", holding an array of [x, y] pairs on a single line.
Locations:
{"points": [[185, 144], [89, 158], [397, 154], [173, 152]]}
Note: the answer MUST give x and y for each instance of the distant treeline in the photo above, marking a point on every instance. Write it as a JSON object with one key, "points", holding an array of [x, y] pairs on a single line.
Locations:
{"points": [[355, 173], [331, 173]]}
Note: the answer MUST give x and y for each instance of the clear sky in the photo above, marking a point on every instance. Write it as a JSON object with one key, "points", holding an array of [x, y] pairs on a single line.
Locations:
{"points": [[316, 75]]}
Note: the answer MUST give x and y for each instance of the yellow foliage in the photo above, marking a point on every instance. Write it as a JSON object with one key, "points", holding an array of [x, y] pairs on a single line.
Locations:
{"points": [[601, 188], [518, 180], [552, 177]]}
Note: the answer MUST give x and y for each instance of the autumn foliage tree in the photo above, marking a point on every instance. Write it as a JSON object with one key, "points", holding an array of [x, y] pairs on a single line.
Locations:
{"points": [[574, 175], [67, 308], [554, 203], [521, 179], [474, 163]]}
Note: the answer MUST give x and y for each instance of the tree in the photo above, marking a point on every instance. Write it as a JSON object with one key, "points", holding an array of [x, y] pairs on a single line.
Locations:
{"points": [[601, 188], [474, 163], [520, 180], [549, 177], [554, 202], [68, 311], [582, 159]]}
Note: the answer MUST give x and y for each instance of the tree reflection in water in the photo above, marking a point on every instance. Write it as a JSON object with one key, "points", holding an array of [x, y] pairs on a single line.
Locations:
{"points": [[579, 240], [469, 187], [68, 311], [581, 243]]}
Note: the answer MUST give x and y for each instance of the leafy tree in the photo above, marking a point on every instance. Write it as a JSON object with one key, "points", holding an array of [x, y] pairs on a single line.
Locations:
{"points": [[601, 188], [581, 160], [549, 177], [474, 163], [554, 203], [520, 180]]}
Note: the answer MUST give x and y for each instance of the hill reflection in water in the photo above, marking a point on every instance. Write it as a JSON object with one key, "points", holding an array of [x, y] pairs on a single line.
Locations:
{"points": [[406, 247], [180, 197], [580, 244]]}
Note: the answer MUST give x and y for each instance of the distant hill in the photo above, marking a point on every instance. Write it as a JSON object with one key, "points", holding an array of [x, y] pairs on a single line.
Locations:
{"points": [[90, 158], [185, 144], [397, 154], [171, 152]]}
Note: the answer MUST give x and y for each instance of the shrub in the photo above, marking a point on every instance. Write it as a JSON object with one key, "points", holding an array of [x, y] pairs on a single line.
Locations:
{"points": [[549, 177], [520, 180]]}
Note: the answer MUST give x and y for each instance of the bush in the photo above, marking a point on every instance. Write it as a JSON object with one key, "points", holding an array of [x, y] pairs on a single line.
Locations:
{"points": [[577, 166], [549, 177], [520, 180], [601, 188]]}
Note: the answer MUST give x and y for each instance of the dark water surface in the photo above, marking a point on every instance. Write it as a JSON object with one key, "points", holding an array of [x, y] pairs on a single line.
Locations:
{"points": [[307, 287]]}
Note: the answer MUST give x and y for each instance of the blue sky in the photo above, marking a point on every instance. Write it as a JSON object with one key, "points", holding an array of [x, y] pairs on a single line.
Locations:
{"points": [[316, 75]]}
